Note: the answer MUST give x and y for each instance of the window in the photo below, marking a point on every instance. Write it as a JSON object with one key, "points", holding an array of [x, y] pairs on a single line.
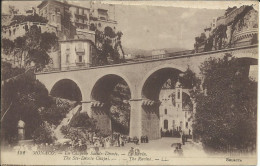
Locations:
{"points": [[67, 58], [166, 124], [187, 124], [165, 111], [57, 10], [80, 58], [179, 94]]}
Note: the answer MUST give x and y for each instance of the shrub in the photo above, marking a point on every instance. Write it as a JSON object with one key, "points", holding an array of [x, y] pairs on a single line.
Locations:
{"points": [[44, 134]]}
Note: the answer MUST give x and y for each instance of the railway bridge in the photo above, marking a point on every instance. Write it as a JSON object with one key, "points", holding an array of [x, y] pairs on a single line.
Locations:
{"points": [[144, 79]]}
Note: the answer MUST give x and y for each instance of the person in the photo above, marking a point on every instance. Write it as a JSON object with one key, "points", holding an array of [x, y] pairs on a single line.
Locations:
{"points": [[118, 140], [122, 141], [131, 152], [183, 139]]}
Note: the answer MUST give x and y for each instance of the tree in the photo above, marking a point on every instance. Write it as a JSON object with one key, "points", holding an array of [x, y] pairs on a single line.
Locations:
{"points": [[108, 43], [17, 19], [120, 109], [35, 46], [189, 79], [21, 97], [44, 134], [12, 10], [7, 45], [226, 116]]}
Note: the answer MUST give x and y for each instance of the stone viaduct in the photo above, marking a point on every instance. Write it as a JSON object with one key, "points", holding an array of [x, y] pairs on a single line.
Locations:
{"points": [[144, 78]]}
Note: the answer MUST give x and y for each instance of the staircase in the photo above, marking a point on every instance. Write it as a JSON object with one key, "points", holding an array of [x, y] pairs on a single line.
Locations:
{"points": [[66, 121]]}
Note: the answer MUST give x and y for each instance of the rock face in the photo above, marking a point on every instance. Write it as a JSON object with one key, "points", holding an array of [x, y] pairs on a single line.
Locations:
{"points": [[236, 28]]}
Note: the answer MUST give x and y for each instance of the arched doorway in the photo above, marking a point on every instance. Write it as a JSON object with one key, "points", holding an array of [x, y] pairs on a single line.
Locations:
{"points": [[110, 106]]}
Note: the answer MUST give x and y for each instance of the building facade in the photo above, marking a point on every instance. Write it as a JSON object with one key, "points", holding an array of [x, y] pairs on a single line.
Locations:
{"points": [[176, 110], [84, 18], [76, 53]]}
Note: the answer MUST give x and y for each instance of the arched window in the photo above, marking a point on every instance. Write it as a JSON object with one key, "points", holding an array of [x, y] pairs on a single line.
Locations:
{"points": [[166, 124], [165, 111]]}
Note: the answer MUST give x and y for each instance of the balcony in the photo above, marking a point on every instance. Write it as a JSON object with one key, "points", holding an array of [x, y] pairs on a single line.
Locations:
{"points": [[80, 51], [80, 14]]}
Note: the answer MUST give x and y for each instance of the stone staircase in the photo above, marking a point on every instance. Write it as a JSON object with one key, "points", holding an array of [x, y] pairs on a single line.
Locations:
{"points": [[66, 121]]}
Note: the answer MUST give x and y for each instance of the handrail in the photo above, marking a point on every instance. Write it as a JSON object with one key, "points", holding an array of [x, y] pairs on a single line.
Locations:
{"points": [[147, 58]]}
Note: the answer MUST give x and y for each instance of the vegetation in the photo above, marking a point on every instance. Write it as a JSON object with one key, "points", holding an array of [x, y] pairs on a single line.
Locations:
{"points": [[56, 110], [120, 109], [199, 41], [17, 19], [226, 115], [83, 120], [20, 99], [44, 134], [34, 46], [108, 45], [218, 38], [7, 71]]}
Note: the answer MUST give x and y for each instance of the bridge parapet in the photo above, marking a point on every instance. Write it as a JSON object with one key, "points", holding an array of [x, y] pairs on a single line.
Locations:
{"points": [[173, 55]]}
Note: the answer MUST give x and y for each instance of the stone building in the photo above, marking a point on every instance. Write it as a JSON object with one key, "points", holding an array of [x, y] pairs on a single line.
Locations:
{"points": [[75, 53], [84, 18], [176, 110], [236, 28]]}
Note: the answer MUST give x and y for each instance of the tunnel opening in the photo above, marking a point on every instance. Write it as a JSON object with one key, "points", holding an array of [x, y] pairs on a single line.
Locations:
{"points": [[113, 95]]}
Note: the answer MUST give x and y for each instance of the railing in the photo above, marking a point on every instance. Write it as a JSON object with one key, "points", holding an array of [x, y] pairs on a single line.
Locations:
{"points": [[147, 58], [80, 50]]}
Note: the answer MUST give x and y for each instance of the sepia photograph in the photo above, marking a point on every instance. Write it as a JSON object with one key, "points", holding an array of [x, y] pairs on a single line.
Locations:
{"points": [[88, 82]]}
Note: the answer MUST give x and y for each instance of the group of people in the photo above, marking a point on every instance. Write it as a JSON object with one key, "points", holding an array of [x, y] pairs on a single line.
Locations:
{"points": [[184, 138], [144, 139]]}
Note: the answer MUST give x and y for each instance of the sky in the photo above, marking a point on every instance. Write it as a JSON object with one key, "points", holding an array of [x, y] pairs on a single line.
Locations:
{"points": [[157, 25]]}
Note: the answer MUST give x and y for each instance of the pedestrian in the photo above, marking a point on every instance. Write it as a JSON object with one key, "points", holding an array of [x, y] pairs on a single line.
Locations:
{"points": [[183, 139], [118, 140]]}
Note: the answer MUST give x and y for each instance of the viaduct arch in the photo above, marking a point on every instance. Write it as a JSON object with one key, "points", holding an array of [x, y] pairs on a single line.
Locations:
{"points": [[144, 79]]}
